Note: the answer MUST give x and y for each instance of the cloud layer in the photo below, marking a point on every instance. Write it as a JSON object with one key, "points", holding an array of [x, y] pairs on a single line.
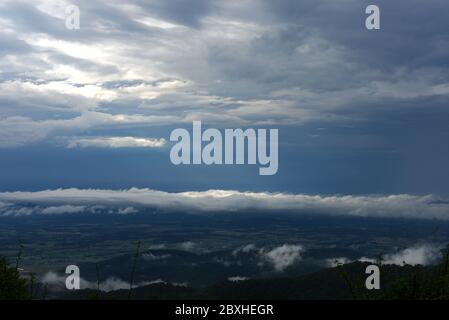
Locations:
{"points": [[218, 201], [252, 62]]}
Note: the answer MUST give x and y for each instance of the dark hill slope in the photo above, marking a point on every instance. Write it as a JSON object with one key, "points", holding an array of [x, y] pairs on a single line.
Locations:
{"points": [[344, 282]]}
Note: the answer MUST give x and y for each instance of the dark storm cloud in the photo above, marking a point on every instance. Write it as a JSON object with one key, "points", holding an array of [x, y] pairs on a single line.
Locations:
{"points": [[412, 33], [413, 39], [185, 12]]}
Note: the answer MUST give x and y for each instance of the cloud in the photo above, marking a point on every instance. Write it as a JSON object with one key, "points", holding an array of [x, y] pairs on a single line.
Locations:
{"points": [[116, 142], [229, 201], [279, 257], [245, 249], [185, 12], [334, 262], [8, 209], [57, 282], [284, 256], [252, 62], [365, 259], [155, 257], [19, 131], [420, 254], [188, 246], [127, 210], [63, 209]]}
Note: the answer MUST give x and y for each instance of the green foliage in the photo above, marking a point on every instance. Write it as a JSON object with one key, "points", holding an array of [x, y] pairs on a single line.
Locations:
{"points": [[12, 286], [423, 283]]}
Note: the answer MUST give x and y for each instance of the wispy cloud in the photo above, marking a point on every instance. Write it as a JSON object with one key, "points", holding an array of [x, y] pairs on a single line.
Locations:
{"points": [[63, 209], [155, 257], [116, 142]]}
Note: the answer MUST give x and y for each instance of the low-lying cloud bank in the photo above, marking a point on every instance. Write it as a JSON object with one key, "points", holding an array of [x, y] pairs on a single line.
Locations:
{"points": [[423, 254], [215, 201], [57, 282]]}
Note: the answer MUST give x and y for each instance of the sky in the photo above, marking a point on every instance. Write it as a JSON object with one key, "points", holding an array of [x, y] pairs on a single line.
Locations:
{"points": [[359, 112]]}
